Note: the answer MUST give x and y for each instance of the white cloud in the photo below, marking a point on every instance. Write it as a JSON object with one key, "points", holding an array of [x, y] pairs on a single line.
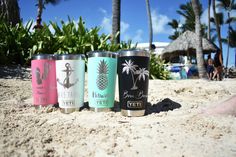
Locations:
{"points": [[123, 27], [106, 25], [126, 37], [204, 17], [138, 36], [182, 20], [233, 13], [159, 23], [103, 11], [218, 10]]}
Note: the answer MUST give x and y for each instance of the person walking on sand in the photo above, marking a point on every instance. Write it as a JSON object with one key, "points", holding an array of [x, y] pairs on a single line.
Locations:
{"points": [[218, 65], [210, 67]]}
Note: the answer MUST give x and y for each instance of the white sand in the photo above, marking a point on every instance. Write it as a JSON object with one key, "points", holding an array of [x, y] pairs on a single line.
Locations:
{"points": [[25, 131]]}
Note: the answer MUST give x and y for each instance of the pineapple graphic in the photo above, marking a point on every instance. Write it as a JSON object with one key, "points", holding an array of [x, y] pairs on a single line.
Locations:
{"points": [[102, 80]]}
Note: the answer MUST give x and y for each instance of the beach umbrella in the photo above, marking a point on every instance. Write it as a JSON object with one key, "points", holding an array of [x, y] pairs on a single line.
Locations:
{"points": [[185, 44]]}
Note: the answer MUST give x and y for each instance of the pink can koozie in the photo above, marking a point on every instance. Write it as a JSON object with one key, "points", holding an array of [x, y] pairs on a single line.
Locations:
{"points": [[44, 87]]}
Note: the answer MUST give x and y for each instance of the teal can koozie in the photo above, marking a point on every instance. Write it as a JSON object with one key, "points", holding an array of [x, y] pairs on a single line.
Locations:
{"points": [[102, 70]]}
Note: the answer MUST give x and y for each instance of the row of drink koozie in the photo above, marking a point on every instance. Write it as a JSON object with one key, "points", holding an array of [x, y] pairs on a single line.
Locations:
{"points": [[61, 79]]}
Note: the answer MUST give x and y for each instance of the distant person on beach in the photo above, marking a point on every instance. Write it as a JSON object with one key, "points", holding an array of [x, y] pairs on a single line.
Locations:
{"points": [[38, 25], [210, 67], [218, 66], [228, 107]]}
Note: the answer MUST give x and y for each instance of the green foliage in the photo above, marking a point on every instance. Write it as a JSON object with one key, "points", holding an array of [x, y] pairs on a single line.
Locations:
{"points": [[73, 38], [186, 11], [227, 5], [219, 18], [174, 36], [19, 43], [232, 37], [157, 68], [43, 41], [15, 42], [174, 24]]}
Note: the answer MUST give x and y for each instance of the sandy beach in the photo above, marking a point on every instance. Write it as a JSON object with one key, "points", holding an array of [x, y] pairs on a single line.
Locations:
{"points": [[170, 128]]}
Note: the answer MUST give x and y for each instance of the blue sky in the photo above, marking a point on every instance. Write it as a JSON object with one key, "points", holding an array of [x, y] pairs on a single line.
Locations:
{"points": [[134, 24]]}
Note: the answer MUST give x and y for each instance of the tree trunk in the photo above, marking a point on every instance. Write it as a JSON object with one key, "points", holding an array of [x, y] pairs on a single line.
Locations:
{"points": [[235, 58], [209, 22], [199, 49], [40, 9], [38, 24], [9, 11], [227, 59], [218, 30], [149, 23], [116, 21]]}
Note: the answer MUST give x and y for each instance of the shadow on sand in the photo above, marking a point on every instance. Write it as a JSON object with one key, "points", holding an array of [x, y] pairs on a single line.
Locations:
{"points": [[14, 71], [162, 106]]}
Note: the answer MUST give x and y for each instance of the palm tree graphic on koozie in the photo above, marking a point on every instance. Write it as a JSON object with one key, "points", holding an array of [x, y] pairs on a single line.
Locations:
{"points": [[130, 67]]}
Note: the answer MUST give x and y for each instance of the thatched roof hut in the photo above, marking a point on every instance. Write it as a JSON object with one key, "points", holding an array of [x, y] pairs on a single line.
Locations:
{"points": [[185, 44]]}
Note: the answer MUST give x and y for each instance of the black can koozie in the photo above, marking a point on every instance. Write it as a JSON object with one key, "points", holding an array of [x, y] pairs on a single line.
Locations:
{"points": [[133, 71]]}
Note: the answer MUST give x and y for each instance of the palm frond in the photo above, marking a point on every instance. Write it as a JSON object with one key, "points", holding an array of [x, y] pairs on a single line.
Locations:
{"points": [[54, 2]]}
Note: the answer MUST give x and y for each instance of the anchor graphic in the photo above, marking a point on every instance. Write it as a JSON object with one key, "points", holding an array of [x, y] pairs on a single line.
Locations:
{"points": [[66, 83]]}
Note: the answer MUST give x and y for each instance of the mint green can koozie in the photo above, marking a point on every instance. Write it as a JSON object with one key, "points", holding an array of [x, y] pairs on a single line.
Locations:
{"points": [[102, 70]]}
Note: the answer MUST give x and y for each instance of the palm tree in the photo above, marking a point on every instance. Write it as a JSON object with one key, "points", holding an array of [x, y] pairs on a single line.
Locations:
{"points": [[228, 6], [174, 25], [232, 39], [199, 49], [116, 21], [220, 19], [217, 30], [209, 21], [186, 10], [142, 73], [130, 67], [41, 5], [149, 23], [9, 11]]}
